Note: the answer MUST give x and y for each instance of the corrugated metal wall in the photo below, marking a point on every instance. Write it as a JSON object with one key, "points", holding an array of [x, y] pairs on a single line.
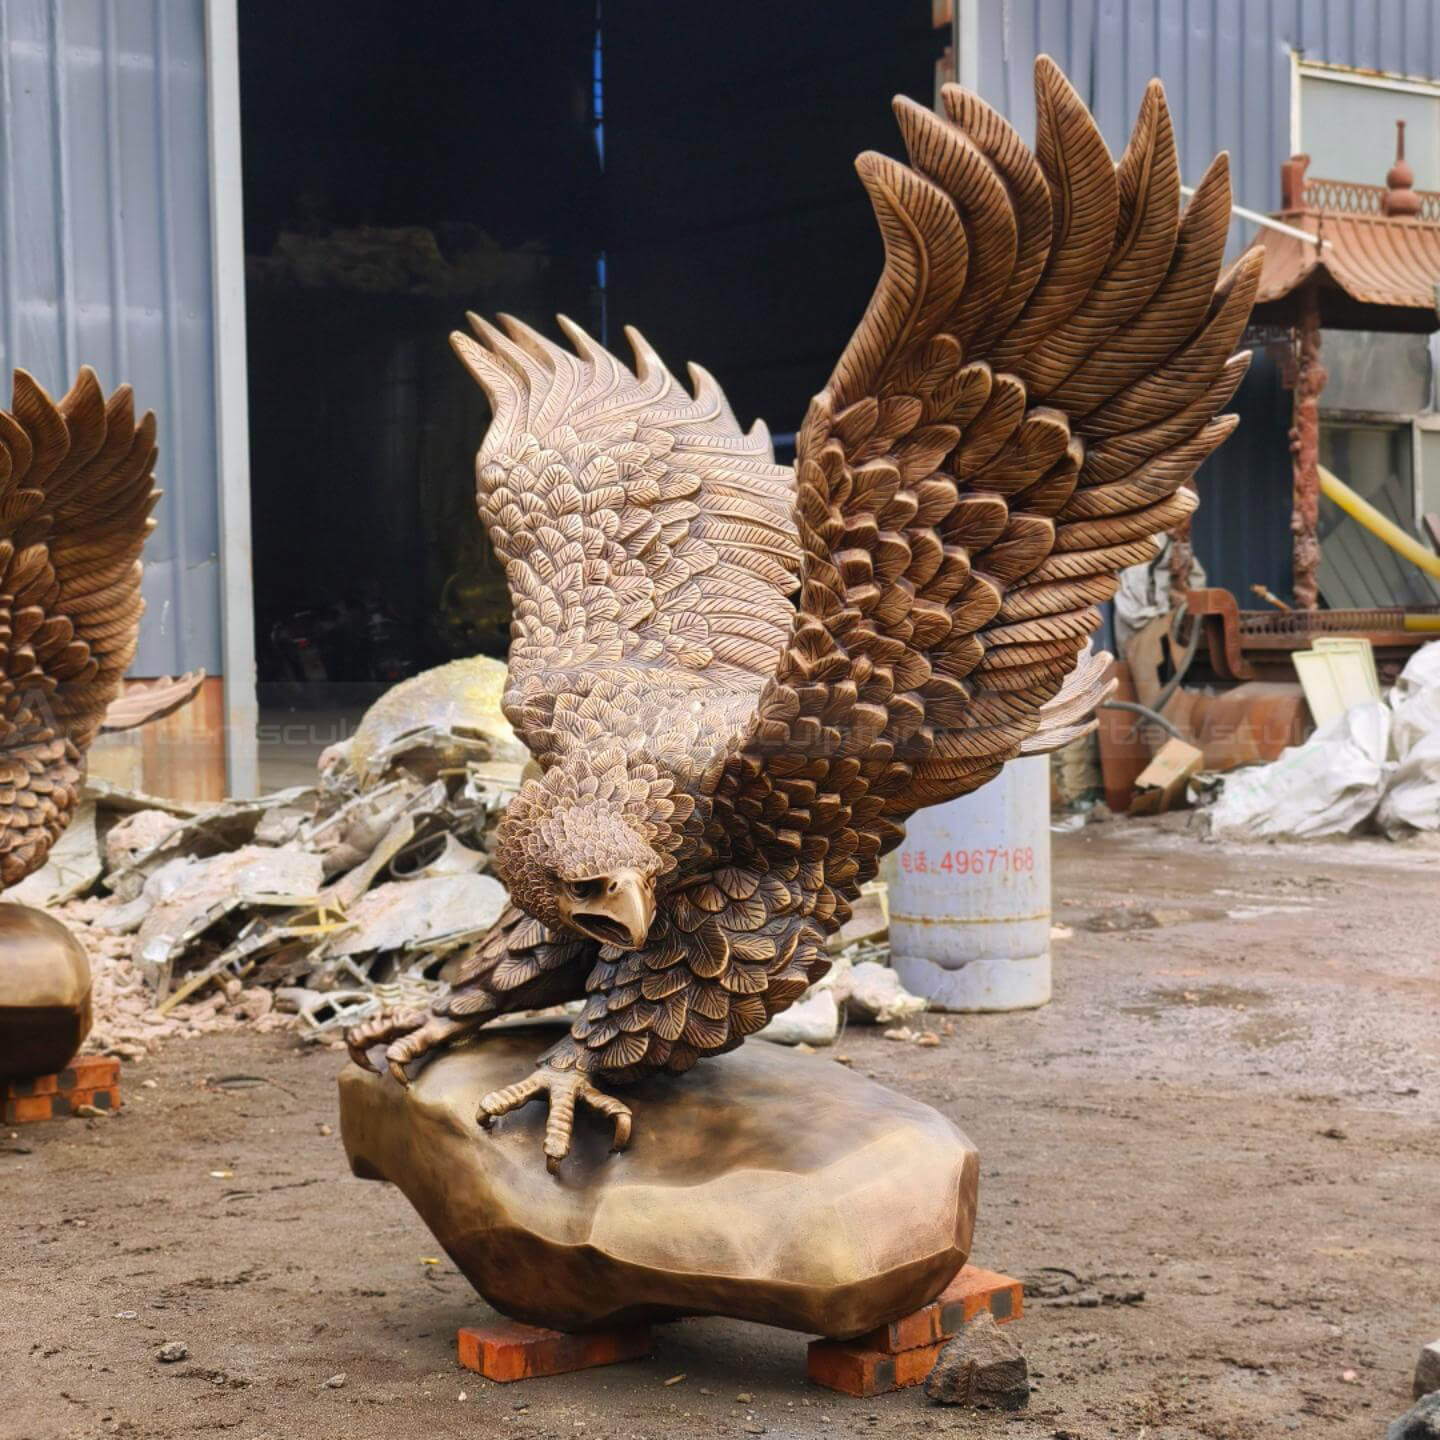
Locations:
{"points": [[105, 259], [1225, 64], [1226, 68]]}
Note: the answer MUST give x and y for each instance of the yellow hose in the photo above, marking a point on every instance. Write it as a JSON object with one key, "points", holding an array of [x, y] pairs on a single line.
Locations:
{"points": [[1384, 529]]}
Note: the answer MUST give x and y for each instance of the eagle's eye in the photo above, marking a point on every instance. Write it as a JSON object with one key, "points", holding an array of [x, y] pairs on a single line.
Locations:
{"points": [[585, 889]]}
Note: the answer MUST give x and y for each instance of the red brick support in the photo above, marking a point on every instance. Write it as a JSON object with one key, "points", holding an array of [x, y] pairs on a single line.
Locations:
{"points": [[507, 1350], [86, 1080], [903, 1352]]}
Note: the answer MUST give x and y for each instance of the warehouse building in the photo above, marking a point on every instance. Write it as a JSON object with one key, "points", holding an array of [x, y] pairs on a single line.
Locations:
{"points": [[267, 218]]}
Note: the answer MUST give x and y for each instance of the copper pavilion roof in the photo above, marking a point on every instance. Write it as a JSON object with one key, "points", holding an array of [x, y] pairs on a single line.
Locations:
{"points": [[1377, 266]]}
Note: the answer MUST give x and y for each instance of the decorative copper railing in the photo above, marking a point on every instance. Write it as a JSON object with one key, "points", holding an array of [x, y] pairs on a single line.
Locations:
{"points": [[1349, 197], [1304, 623]]}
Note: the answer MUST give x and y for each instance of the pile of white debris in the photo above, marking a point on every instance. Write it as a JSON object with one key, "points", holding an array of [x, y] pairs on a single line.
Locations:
{"points": [[127, 1022], [1375, 766]]}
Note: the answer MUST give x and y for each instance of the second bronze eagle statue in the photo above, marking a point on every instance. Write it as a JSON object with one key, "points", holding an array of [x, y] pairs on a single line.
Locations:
{"points": [[739, 682]]}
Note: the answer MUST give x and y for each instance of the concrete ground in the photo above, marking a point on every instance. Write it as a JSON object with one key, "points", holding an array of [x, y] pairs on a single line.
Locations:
{"points": [[1231, 1106]]}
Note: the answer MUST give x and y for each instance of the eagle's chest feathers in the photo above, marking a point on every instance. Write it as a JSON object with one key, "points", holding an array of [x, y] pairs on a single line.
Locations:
{"points": [[725, 954], [730, 944]]}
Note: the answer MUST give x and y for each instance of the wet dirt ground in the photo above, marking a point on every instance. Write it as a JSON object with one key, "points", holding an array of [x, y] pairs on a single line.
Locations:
{"points": [[1232, 1106]]}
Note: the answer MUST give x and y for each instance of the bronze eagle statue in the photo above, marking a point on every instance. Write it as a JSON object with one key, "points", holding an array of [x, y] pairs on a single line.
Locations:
{"points": [[740, 681], [77, 486]]}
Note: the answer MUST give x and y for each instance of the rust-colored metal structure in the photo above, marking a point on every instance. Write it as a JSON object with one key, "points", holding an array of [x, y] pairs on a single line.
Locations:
{"points": [[1241, 645], [1373, 264], [740, 685]]}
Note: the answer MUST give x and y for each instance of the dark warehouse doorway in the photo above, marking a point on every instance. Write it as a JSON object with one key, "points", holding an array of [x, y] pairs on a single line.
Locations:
{"points": [[684, 169]]}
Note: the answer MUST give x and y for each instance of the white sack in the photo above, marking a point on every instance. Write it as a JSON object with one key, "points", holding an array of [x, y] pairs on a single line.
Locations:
{"points": [[1421, 673], [1328, 786], [1412, 798], [1415, 700]]}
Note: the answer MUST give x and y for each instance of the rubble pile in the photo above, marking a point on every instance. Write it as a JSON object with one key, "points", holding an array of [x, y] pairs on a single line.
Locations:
{"points": [[127, 1022], [316, 906], [311, 907]]}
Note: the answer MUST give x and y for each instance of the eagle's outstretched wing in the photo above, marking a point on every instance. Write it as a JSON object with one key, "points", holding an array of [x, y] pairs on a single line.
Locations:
{"points": [[76, 491], [639, 527], [1037, 375]]}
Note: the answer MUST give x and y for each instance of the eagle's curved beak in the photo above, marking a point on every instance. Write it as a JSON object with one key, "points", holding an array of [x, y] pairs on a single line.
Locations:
{"points": [[620, 912]]}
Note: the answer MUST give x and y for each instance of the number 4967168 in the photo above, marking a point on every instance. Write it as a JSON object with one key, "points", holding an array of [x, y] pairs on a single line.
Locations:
{"points": [[1019, 859]]}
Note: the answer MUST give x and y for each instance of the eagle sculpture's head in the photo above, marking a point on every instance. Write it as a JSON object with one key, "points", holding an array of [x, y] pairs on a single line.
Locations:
{"points": [[584, 847]]}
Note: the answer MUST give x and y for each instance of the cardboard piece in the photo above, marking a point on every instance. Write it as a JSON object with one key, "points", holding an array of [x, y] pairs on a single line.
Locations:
{"points": [[1160, 786]]}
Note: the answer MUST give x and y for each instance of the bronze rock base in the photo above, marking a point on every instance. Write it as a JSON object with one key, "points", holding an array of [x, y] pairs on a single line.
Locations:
{"points": [[764, 1185], [44, 993]]}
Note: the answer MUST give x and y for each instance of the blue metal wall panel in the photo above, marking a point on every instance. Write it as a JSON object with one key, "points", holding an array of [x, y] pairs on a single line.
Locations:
{"points": [[105, 259]]}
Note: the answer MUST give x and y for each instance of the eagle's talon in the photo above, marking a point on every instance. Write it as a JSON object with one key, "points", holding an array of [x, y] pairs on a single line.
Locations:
{"points": [[623, 1117], [407, 1035], [565, 1089], [382, 1028], [359, 1057]]}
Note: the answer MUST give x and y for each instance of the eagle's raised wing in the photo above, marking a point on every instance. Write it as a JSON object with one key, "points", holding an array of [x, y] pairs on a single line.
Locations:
{"points": [[1037, 375], [76, 491], [639, 526]]}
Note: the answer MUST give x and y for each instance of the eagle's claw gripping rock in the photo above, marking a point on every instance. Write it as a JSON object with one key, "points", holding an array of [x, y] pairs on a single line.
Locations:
{"points": [[565, 1088]]}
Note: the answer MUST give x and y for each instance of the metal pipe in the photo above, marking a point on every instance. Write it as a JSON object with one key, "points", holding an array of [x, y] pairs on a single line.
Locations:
{"points": [[1256, 218], [1381, 526], [1136, 708]]}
